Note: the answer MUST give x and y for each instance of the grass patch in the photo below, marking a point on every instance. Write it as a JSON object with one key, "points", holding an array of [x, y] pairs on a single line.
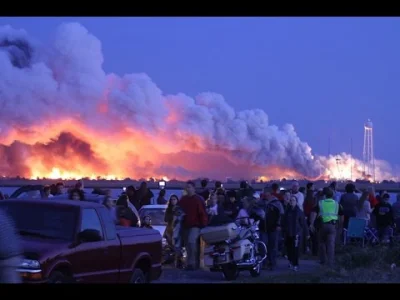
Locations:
{"points": [[354, 264], [351, 257], [371, 264]]}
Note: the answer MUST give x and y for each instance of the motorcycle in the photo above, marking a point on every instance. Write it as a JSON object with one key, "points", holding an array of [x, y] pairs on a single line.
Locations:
{"points": [[243, 251]]}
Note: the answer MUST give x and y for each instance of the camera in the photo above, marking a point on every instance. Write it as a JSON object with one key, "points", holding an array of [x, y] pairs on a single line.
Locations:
{"points": [[161, 185]]}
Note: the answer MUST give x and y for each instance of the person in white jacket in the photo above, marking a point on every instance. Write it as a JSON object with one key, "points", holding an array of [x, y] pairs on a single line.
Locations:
{"points": [[300, 197], [364, 208]]}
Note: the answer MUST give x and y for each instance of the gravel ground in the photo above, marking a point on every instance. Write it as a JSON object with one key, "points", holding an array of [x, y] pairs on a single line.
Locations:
{"points": [[172, 275]]}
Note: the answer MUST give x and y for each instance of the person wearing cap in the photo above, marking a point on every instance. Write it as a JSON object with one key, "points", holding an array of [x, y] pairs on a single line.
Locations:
{"points": [[329, 212], [383, 212]]}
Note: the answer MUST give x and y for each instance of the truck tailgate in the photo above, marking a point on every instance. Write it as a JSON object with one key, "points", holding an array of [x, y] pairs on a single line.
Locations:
{"points": [[141, 247], [133, 231]]}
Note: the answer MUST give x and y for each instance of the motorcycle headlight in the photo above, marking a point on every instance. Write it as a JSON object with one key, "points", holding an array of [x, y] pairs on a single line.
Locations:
{"points": [[30, 264]]}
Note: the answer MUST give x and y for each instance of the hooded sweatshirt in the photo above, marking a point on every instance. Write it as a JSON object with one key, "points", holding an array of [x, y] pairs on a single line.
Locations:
{"points": [[273, 212], [294, 223], [384, 214]]}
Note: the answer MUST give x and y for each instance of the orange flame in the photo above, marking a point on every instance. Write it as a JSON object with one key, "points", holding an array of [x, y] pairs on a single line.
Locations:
{"points": [[129, 153]]}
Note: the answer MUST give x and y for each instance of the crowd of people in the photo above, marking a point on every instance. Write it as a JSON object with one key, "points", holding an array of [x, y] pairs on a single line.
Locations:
{"points": [[280, 214], [291, 221]]}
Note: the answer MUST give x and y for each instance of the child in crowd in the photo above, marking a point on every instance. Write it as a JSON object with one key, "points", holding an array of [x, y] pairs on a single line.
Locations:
{"points": [[146, 222]]}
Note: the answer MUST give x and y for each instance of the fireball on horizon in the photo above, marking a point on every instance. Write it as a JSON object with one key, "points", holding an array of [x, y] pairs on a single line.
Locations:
{"points": [[62, 116]]}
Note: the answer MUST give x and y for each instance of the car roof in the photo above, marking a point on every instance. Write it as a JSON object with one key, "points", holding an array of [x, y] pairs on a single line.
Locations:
{"points": [[87, 196], [154, 206], [51, 201]]}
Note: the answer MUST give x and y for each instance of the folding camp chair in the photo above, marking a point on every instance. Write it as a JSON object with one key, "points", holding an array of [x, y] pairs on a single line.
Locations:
{"points": [[371, 235], [386, 236], [355, 231]]}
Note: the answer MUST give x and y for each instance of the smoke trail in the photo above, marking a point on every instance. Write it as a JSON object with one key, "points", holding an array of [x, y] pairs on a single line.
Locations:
{"points": [[59, 109]]}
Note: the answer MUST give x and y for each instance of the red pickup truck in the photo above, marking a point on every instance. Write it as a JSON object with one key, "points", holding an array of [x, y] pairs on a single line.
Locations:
{"points": [[68, 241]]}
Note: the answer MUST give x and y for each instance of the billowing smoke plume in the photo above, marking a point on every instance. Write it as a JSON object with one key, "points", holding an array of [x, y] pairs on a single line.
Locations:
{"points": [[61, 114]]}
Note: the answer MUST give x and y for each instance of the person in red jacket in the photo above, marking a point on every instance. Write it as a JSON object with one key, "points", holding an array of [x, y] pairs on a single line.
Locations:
{"points": [[371, 197], [195, 218]]}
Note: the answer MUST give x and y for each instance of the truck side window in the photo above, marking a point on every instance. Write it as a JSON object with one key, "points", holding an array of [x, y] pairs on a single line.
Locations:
{"points": [[90, 220], [109, 225]]}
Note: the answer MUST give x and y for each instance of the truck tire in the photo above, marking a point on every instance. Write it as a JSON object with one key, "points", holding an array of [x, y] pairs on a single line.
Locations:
{"points": [[138, 277], [58, 277], [230, 271]]}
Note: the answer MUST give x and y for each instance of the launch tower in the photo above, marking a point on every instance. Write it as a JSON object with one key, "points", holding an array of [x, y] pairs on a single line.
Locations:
{"points": [[368, 150]]}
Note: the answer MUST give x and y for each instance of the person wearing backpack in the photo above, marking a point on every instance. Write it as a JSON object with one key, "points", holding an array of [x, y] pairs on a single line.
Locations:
{"points": [[271, 225]]}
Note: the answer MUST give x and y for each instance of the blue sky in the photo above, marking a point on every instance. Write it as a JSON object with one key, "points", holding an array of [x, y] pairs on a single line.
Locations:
{"points": [[324, 75]]}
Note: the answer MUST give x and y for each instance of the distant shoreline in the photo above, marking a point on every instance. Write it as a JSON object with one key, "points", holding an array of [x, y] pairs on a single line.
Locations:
{"points": [[176, 185]]}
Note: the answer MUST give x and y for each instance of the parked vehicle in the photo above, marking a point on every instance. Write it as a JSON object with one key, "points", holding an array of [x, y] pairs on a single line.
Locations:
{"points": [[28, 191], [157, 214], [231, 249], [36, 191], [77, 241], [88, 197]]}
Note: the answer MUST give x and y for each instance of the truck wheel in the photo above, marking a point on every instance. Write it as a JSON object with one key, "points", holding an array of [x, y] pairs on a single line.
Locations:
{"points": [[138, 277], [230, 272], [58, 277], [256, 271]]}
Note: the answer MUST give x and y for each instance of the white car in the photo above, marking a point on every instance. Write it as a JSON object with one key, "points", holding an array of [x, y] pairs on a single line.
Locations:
{"points": [[157, 214]]}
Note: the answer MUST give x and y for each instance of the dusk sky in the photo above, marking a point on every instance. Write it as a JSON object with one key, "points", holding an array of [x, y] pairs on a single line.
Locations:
{"points": [[326, 76]]}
